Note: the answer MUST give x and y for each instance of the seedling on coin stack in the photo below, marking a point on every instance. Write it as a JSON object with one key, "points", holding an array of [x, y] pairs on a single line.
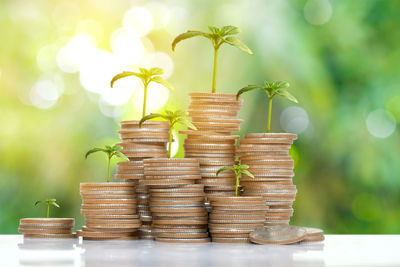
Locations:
{"points": [[49, 202], [47, 227], [215, 116], [149, 141], [267, 154], [233, 218], [176, 203], [238, 169], [109, 208], [110, 151]]}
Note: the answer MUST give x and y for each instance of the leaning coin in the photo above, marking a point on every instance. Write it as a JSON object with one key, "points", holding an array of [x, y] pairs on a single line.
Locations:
{"points": [[280, 234]]}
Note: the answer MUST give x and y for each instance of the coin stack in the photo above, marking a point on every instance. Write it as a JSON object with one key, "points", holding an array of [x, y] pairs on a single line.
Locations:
{"points": [[267, 154], [215, 117], [109, 210], [232, 219], [176, 203], [140, 143], [47, 227]]}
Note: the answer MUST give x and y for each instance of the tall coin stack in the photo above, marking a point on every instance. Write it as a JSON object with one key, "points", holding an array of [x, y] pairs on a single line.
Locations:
{"points": [[267, 154], [141, 143], [176, 203], [47, 227], [215, 117], [109, 210], [232, 219]]}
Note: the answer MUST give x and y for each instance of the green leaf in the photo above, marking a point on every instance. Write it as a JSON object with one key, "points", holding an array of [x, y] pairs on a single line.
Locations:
{"points": [[280, 84], [116, 148], [187, 123], [214, 30], [55, 204], [224, 169], [238, 44], [156, 71], [125, 74], [120, 154], [149, 117], [248, 173], [161, 81], [246, 89], [94, 150], [186, 35], [287, 95], [38, 202], [230, 30]]}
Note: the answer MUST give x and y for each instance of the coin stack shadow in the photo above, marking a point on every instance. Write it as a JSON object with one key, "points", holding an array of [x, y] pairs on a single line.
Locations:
{"points": [[267, 154], [110, 211], [176, 203], [141, 143], [47, 227], [215, 117], [232, 219]]}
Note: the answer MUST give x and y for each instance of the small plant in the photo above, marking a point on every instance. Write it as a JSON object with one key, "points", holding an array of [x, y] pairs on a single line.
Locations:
{"points": [[238, 169], [178, 116], [147, 76], [48, 202], [111, 151], [271, 89], [218, 36]]}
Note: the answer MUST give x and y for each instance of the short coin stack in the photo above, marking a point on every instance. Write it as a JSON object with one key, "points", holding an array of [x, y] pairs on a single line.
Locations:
{"points": [[109, 210], [140, 143], [176, 203], [267, 154], [215, 117], [232, 219], [47, 227]]}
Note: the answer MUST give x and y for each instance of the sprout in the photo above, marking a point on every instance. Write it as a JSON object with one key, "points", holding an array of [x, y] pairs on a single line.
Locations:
{"points": [[271, 89], [178, 116], [48, 202], [238, 169], [111, 151], [147, 76], [217, 37]]}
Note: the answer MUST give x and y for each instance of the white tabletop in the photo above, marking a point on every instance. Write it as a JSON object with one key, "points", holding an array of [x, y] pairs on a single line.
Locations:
{"points": [[336, 250]]}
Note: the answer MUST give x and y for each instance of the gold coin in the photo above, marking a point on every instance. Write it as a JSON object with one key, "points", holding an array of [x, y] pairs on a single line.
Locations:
{"points": [[50, 235], [47, 220]]}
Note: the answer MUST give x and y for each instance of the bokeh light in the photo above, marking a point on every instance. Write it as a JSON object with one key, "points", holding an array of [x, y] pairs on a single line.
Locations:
{"points": [[380, 123]]}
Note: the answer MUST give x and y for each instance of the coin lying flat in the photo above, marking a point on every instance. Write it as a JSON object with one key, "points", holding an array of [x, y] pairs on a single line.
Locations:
{"points": [[47, 220], [50, 235], [281, 234]]}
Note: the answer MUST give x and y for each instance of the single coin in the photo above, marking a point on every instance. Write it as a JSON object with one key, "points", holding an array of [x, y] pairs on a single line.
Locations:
{"points": [[107, 211], [314, 239], [181, 235], [50, 235], [170, 160], [46, 220], [267, 141], [146, 124], [46, 225], [182, 240], [166, 181], [313, 232], [200, 229], [103, 234], [230, 239], [228, 226], [282, 234], [45, 231], [176, 209], [112, 216], [271, 135], [109, 201]]}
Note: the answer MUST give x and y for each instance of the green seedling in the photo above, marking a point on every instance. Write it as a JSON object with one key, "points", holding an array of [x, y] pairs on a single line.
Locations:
{"points": [[271, 89], [48, 202], [147, 76], [111, 151], [173, 118], [218, 36], [238, 169]]}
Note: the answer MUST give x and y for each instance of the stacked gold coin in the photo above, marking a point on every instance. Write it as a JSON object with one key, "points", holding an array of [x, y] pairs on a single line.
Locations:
{"points": [[47, 227], [141, 143], [215, 117], [232, 219], [267, 154], [176, 203], [109, 210]]}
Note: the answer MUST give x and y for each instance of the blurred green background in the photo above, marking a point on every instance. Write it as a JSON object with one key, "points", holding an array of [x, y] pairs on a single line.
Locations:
{"points": [[340, 57]]}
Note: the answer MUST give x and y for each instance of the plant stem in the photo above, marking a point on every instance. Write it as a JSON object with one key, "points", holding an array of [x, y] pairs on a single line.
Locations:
{"points": [[48, 210], [169, 142], [237, 184], [144, 100], [269, 114], [108, 177], [215, 70]]}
